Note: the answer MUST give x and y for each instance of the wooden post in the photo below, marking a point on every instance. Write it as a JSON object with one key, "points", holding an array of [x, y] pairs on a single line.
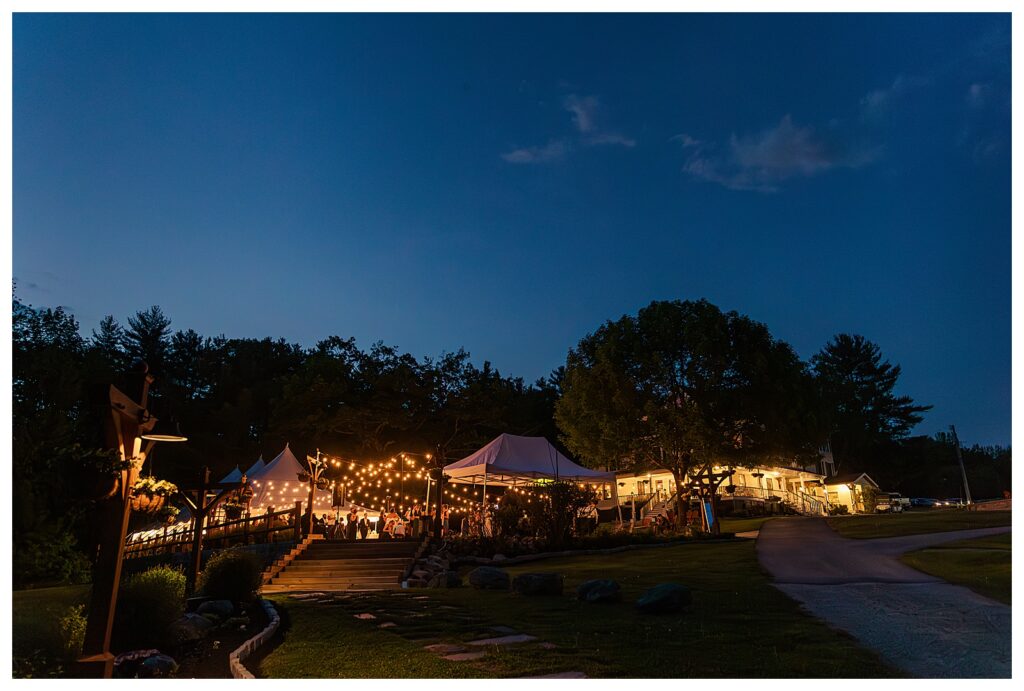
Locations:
{"points": [[298, 522], [197, 535]]}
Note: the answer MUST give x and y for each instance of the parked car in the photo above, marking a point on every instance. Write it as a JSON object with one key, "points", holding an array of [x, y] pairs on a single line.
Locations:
{"points": [[888, 502], [923, 502]]}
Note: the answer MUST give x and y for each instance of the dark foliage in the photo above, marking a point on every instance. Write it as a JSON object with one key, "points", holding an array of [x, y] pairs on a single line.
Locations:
{"points": [[233, 574]]}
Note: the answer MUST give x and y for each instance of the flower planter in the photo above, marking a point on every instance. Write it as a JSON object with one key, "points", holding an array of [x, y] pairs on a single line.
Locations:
{"points": [[731, 489], [147, 503], [232, 513]]}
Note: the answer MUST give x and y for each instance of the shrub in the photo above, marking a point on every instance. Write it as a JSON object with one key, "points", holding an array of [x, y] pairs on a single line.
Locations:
{"points": [[838, 510], [71, 628], [233, 574], [148, 603]]}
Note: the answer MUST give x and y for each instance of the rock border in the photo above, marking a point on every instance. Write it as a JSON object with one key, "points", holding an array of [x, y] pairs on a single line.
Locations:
{"points": [[238, 670], [582, 552]]}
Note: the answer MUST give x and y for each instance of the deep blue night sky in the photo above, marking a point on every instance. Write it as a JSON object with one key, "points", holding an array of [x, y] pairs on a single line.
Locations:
{"points": [[507, 183]]}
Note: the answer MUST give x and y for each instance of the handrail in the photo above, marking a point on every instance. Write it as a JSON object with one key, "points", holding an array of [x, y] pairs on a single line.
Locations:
{"points": [[251, 529]]}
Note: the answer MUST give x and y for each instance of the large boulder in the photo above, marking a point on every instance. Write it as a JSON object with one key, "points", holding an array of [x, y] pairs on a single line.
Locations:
{"points": [[448, 579], [488, 578], [599, 590], [222, 608], [190, 628], [538, 584], [664, 599], [157, 666]]}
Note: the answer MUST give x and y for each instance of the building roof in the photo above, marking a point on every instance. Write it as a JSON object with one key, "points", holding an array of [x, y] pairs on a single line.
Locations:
{"points": [[851, 478]]}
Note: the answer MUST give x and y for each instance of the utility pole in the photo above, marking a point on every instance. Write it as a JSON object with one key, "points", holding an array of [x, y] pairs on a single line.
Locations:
{"points": [[963, 472]]}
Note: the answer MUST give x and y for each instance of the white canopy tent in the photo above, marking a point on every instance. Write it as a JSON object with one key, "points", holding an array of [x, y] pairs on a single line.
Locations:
{"points": [[277, 484], [512, 461], [234, 476], [255, 468]]}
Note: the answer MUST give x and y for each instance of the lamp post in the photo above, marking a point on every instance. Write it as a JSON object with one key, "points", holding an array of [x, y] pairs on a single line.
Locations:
{"points": [[128, 425], [317, 466]]}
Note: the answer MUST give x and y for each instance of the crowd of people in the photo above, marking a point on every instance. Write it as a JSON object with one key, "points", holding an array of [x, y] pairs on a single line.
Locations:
{"points": [[394, 523]]}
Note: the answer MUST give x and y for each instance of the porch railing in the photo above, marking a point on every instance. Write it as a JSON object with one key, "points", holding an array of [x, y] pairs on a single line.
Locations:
{"points": [[277, 526]]}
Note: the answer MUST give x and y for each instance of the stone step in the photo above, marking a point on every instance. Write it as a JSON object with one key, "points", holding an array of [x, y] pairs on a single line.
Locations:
{"points": [[337, 583], [331, 563], [306, 573], [347, 565]]}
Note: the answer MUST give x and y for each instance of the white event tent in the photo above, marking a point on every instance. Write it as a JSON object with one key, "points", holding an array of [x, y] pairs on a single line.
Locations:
{"points": [[277, 484], [511, 461], [255, 467], [234, 476]]}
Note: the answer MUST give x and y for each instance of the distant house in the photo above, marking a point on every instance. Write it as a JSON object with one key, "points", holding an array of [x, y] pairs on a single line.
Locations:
{"points": [[762, 489], [849, 489]]}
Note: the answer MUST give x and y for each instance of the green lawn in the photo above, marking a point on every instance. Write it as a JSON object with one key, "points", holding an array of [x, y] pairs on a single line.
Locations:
{"points": [[916, 522], [983, 564], [34, 619], [738, 626], [742, 525]]}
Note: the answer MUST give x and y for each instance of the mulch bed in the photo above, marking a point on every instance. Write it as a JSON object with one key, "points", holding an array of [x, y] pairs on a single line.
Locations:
{"points": [[204, 661]]}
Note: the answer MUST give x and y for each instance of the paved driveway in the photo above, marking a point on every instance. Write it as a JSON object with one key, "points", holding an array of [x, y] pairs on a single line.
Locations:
{"points": [[919, 623]]}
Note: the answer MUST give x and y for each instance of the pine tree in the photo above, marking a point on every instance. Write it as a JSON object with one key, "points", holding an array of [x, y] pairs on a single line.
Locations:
{"points": [[859, 388]]}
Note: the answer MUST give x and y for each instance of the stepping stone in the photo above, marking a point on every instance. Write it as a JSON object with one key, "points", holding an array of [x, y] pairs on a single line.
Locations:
{"points": [[386, 625], [503, 629], [547, 646], [365, 615], [444, 648], [464, 657], [505, 640], [560, 675]]}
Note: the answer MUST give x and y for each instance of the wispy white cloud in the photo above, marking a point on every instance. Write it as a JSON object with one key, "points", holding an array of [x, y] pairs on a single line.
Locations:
{"points": [[552, 151], [586, 120], [610, 138], [584, 111], [764, 160], [879, 102]]}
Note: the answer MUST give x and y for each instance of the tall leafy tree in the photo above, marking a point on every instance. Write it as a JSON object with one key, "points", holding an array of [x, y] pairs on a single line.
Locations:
{"points": [[684, 386], [859, 388]]}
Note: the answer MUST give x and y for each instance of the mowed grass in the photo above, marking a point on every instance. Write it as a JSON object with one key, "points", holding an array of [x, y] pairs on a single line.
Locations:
{"points": [[738, 626], [35, 614], [982, 564], [869, 526], [742, 525]]}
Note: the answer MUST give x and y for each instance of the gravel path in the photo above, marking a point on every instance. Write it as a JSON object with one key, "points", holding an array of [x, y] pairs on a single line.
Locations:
{"points": [[919, 623]]}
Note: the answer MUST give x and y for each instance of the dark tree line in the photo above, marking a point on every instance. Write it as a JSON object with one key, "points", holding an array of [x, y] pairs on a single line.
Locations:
{"points": [[680, 385], [235, 399]]}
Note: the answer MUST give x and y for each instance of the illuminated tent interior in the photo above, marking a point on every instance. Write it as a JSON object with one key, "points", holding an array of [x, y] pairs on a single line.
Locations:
{"points": [[277, 485]]}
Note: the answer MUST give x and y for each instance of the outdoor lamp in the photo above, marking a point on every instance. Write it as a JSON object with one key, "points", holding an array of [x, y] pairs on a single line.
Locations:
{"points": [[165, 431]]}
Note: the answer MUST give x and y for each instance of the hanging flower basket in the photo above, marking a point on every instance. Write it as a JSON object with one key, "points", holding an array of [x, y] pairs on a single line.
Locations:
{"points": [[322, 483], [731, 489], [149, 495], [303, 476]]}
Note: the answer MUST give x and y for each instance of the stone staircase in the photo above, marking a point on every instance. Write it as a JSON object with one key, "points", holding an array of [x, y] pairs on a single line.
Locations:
{"points": [[334, 566]]}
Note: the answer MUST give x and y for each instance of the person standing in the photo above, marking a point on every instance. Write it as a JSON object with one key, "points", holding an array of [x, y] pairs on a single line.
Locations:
{"points": [[364, 526], [350, 527]]}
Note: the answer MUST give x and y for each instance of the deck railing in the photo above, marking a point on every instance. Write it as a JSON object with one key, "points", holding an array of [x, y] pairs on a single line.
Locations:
{"points": [[274, 526]]}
